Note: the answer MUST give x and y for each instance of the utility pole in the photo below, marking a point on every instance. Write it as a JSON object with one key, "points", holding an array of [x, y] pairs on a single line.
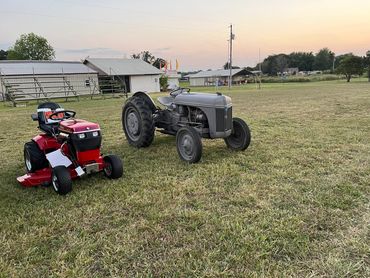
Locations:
{"points": [[232, 37]]}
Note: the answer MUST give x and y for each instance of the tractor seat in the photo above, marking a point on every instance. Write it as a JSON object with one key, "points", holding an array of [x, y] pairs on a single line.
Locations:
{"points": [[166, 101], [47, 125]]}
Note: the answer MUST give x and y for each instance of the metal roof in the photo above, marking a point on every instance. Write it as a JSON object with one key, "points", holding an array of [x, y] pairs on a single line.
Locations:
{"points": [[112, 66], [42, 67], [216, 73]]}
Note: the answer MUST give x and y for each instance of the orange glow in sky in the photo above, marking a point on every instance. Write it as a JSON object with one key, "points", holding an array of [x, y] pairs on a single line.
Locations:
{"points": [[194, 32]]}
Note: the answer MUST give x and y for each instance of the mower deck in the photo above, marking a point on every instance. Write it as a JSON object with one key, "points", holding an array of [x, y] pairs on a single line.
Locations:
{"points": [[40, 177]]}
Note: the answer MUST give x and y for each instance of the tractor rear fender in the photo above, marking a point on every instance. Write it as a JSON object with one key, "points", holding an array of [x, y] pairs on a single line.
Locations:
{"points": [[147, 99]]}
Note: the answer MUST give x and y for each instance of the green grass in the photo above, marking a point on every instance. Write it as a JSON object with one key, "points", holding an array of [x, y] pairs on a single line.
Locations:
{"points": [[296, 203]]}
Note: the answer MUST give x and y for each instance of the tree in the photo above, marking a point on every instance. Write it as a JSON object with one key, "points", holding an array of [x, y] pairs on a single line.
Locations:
{"points": [[227, 66], [146, 56], [274, 64], [351, 65], [282, 62], [31, 47], [302, 60], [159, 63], [3, 54], [367, 63], [324, 59]]}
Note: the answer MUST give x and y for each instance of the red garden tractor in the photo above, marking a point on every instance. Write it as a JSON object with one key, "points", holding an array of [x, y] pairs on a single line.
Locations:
{"points": [[66, 149]]}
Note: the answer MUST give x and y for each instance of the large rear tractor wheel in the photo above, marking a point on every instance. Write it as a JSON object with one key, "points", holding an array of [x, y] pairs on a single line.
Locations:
{"points": [[34, 158], [189, 144], [113, 167], [137, 122], [240, 137], [61, 180]]}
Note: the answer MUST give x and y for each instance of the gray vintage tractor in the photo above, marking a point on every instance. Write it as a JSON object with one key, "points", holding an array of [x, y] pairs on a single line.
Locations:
{"points": [[189, 116]]}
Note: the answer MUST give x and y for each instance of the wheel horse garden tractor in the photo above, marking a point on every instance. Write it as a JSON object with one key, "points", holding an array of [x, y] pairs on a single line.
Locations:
{"points": [[66, 149], [189, 116]]}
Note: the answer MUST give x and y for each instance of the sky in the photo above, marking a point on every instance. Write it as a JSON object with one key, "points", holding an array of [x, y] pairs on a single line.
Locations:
{"points": [[193, 31]]}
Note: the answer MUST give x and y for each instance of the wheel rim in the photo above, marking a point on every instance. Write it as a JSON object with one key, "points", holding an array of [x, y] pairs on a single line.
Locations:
{"points": [[132, 125], [236, 139], [28, 161], [55, 183], [186, 146], [108, 169]]}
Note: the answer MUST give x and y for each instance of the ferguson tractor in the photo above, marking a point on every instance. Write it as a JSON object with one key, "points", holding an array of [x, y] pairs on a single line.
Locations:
{"points": [[188, 116]]}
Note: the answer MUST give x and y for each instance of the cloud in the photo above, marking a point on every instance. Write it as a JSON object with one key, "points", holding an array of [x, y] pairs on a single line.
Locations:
{"points": [[98, 52], [161, 50]]}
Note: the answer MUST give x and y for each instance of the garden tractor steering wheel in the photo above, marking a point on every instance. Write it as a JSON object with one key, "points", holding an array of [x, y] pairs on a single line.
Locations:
{"points": [[62, 115]]}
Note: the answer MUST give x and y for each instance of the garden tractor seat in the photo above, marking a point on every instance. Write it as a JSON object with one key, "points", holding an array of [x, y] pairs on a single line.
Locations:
{"points": [[167, 101], [50, 127]]}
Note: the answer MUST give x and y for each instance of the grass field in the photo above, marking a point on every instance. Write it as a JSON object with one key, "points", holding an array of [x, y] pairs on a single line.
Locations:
{"points": [[296, 203]]}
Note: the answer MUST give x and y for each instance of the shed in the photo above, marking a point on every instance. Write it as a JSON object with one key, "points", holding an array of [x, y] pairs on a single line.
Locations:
{"points": [[27, 80], [125, 75], [218, 77]]}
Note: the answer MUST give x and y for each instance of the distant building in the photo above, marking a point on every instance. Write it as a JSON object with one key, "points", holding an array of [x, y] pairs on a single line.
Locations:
{"points": [[173, 79], [218, 77], [125, 75], [291, 71], [27, 80]]}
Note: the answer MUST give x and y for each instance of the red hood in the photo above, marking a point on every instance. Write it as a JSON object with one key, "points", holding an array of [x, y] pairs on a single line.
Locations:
{"points": [[75, 126]]}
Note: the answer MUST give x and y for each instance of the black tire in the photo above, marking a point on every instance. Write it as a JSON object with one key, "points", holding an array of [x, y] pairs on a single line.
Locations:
{"points": [[137, 122], [240, 137], [113, 167], [61, 180], [34, 158], [189, 144]]}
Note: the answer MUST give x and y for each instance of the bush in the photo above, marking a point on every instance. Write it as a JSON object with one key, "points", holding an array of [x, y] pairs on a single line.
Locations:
{"points": [[163, 82]]}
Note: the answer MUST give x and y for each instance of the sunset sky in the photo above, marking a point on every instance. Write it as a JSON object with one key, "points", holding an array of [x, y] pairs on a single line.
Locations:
{"points": [[194, 32]]}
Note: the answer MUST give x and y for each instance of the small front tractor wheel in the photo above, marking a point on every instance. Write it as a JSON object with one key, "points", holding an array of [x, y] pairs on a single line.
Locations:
{"points": [[61, 180], [113, 167], [240, 137], [189, 144], [34, 158], [137, 122]]}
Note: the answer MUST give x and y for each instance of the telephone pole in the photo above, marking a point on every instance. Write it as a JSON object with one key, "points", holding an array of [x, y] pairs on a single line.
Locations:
{"points": [[232, 37]]}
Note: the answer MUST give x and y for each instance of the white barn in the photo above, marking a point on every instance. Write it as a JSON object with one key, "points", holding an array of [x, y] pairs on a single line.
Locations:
{"points": [[130, 75], [211, 77], [27, 80]]}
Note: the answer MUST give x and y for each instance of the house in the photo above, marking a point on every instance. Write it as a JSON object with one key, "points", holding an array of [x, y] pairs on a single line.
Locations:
{"points": [[125, 75], [218, 77], [27, 80]]}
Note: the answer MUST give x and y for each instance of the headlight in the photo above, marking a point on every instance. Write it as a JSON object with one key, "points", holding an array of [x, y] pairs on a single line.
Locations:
{"points": [[95, 133], [82, 135]]}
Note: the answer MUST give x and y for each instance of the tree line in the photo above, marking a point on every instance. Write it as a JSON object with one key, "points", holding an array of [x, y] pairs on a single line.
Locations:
{"points": [[325, 60]]}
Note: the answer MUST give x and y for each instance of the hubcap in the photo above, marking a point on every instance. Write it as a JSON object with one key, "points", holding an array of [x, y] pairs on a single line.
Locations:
{"points": [[132, 124], [54, 181], [28, 162], [108, 169], [186, 146]]}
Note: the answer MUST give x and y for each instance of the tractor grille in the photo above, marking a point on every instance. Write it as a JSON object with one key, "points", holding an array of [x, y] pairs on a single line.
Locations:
{"points": [[223, 123], [87, 143]]}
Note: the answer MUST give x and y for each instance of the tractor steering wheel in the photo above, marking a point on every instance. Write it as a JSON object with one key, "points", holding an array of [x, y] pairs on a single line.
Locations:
{"points": [[62, 115], [178, 91]]}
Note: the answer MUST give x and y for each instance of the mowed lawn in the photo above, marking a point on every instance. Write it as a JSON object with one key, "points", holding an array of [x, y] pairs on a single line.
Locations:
{"points": [[295, 203]]}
